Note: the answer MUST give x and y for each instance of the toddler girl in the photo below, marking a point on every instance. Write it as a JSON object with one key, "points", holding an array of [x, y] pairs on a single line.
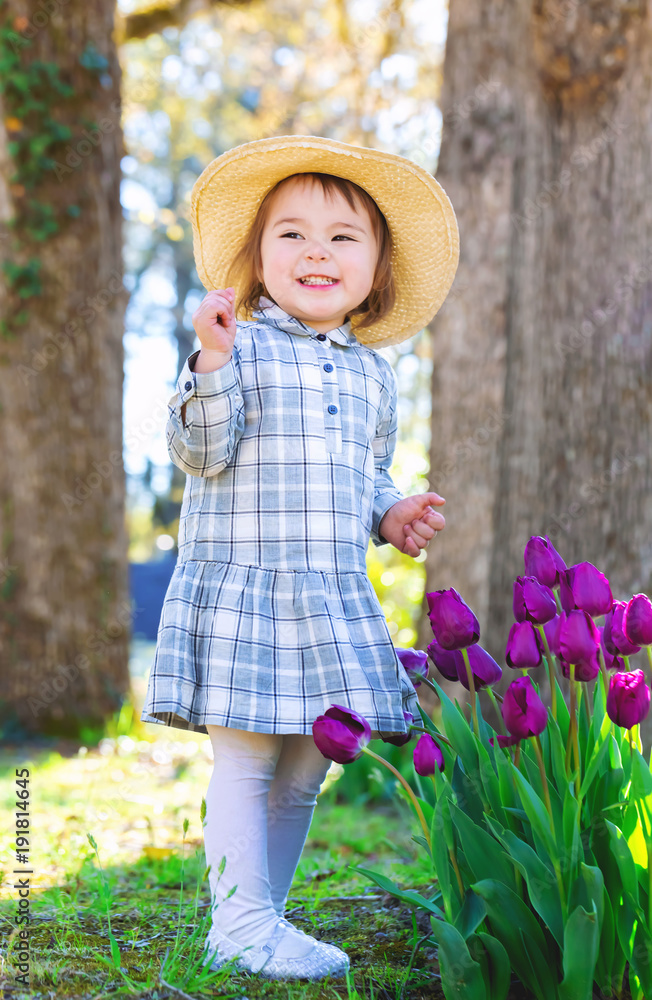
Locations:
{"points": [[285, 423]]}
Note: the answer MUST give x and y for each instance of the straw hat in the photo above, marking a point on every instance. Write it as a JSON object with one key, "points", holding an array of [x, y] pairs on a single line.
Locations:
{"points": [[227, 194]]}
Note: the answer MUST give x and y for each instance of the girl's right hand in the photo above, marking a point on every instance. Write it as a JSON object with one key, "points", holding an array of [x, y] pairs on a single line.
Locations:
{"points": [[214, 320]]}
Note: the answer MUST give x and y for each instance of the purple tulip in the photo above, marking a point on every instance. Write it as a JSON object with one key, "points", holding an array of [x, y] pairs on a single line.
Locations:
{"points": [[415, 662], [484, 668], [543, 561], [451, 664], [402, 738], [445, 660], [533, 602], [552, 630], [427, 756], [612, 661], [523, 646], [453, 623], [579, 639], [585, 588], [523, 711], [340, 734], [628, 700], [505, 741], [614, 638], [585, 670], [637, 620]]}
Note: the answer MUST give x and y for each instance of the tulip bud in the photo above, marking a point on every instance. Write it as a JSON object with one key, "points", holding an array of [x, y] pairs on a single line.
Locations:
{"points": [[585, 670], [543, 561], [445, 660], [585, 588], [628, 700], [484, 668], [522, 709], [579, 639], [451, 664], [523, 649], [614, 638], [552, 630], [415, 662], [340, 734], [401, 738], [453, 623], [427, 756], [611, 660], [533, 602], [637, 620]]}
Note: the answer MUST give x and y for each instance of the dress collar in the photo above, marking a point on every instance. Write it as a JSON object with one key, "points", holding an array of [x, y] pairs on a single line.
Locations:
{"points": [[271, 313]]}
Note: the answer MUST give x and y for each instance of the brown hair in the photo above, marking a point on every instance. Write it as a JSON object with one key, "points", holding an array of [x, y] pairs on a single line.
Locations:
{"points": [[246, 266]]}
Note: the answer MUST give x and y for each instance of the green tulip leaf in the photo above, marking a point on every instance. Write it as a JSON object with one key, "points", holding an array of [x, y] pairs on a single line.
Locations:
{"points": [[410, 896], [563, 715], [571, 827], [581, 939], [541, 881], [640, 957], [465, 786], [536, 813], [471, 914], [441, 857], [500, 971], [458, 730], [516, 927], [599, 754], [604, 970], [461, 975], [557, 755], [641, 785], [625, 861], [484, 853]]}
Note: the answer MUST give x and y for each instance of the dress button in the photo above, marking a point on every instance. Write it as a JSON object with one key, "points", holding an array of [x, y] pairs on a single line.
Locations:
{"points": [[332, 408], [328, 367], [188, 385], [321, 336]]}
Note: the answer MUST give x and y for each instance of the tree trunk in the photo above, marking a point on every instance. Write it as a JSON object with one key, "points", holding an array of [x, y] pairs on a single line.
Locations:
{"points": [[541, 384], [65, 613]]}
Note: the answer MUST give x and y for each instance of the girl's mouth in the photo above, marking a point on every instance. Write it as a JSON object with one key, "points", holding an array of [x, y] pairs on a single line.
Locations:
{"points": [[326, 284]]}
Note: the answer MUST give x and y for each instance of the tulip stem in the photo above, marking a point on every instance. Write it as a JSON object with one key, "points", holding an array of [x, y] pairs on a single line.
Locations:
{"points": [[415, 801], [557, 598], [551, 672], [648, 650], [575, 737], [546, 795], [469, 674], [498, 712], [424, 680], [604, 673], [420, 729], [544, 779]]}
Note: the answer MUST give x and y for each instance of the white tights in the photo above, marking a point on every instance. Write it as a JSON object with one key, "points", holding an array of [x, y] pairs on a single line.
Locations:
{"points": [[259, 805]]}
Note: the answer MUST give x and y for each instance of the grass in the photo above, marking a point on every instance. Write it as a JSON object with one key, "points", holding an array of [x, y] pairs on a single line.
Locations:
{"points": [[119, 901]]}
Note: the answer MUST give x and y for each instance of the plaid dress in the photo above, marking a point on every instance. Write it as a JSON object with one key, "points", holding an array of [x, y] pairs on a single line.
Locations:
{"points": [[270, 616]]}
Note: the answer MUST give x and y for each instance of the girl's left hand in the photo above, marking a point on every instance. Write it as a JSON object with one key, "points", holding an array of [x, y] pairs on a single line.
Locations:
{"points": [[411, 523]]}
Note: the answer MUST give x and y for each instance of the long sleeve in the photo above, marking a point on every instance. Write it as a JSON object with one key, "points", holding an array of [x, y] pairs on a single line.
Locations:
{"points": [[213, 404], [386, 494]]}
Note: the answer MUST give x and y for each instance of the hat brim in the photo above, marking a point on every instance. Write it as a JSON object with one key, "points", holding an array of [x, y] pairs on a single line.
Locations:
{"points": [[420, 216]]}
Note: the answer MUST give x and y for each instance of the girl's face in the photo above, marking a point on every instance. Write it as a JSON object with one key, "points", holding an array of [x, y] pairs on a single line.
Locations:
{"points": [[307, 235]]}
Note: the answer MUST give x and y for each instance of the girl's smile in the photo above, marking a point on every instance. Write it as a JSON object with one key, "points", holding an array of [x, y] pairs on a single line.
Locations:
{"points": [[318, 256]]}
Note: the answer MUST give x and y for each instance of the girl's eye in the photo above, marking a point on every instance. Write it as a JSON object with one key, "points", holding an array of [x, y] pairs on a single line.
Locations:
{"points": [[342, 235]]}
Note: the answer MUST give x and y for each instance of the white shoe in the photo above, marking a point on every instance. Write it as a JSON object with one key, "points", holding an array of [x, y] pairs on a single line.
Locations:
{"points": [[322, 960]]}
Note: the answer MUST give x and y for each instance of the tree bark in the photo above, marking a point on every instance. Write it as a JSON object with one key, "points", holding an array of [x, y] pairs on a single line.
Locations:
{"points": [[541, 399], [65, 613]]}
